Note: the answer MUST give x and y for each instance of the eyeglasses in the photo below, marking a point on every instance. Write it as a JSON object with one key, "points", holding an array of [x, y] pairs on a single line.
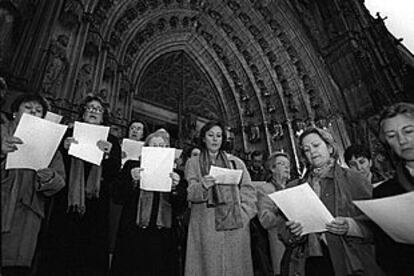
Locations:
{"points": [[94, 109]]}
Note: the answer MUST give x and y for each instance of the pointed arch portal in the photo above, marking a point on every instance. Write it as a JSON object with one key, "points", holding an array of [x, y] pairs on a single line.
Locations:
{"points": [[173, 92]]}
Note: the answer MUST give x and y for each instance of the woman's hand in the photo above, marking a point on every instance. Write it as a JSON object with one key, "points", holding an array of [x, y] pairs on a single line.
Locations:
{"points": [[339, 226], [8, 144], [45, 175], [104, 146], [175, 180], [68, 141], [208, 181], [136, 173], [123, 155], [295, 228]]}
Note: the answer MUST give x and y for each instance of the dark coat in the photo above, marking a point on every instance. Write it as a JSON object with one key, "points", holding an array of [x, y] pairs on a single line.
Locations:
{"points": [[79, 244], [150, 250], [394, 258]]}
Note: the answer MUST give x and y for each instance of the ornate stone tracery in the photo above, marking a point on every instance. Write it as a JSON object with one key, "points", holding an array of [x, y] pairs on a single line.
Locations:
{"points": [[269, 68]]}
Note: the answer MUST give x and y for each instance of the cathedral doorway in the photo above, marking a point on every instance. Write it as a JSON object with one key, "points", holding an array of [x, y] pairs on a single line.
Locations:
{"points": [[174, 93]]}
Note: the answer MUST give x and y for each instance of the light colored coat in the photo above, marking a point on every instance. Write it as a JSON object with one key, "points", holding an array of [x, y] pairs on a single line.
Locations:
{"points": [[211, 252], [270, 220]]}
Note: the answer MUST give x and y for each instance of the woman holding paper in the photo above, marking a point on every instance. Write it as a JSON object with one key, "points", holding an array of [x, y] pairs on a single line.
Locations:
{"points": [[345, 249], [145, 244], [78, 234], [397, 133], [130, 148], [219, 234], [278, 164], [24, 192]]}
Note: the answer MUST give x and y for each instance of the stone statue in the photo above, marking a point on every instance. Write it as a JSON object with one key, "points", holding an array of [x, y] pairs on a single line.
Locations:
{"points": [[56, 67]]}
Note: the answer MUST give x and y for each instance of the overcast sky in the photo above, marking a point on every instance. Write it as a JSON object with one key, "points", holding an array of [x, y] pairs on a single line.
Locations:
{"points": [[400, 21]]}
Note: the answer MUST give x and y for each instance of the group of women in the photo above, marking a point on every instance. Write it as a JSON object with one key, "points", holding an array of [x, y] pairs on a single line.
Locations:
{"points": [[55, 221]]}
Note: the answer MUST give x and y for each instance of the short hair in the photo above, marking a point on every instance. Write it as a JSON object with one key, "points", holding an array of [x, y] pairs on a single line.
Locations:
{"points": [[356, 151], [90, 98], [256, 153], [30, 97], [324, 135], [392, 111], [162, 133], [209, 125], [138, 121], [273, 156]]}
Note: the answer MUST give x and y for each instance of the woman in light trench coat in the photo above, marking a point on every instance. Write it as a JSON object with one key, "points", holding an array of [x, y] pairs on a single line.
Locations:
{"points": [[218, 235]]}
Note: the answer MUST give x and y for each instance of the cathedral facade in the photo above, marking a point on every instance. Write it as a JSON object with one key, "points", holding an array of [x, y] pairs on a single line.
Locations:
{"points": [[267, 68]]}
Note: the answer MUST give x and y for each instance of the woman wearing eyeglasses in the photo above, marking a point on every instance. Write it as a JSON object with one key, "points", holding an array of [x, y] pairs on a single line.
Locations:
{"points": [[79, 223]]}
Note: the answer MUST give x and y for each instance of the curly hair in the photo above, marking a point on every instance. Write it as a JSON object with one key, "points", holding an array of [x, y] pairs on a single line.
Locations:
{"points": [[90, 98], [32, 97]]}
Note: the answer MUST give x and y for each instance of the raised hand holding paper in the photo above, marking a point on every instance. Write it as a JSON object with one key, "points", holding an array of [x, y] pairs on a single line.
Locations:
{"points": [[393, 214], [177, 153], [157, 164], [301, 204], [132, 149], [226, 176], [88, 136], [40, 138]]}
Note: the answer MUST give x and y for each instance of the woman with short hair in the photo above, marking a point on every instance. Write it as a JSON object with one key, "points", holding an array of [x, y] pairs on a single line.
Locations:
{"points": [[146, 244], [24, 192], [345, 248], [397, 133], [278, 164], [78, 236]]}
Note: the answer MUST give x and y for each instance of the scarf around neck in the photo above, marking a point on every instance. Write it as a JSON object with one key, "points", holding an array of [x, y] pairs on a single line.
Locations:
{"points": [[77, 189], [225, 199]]}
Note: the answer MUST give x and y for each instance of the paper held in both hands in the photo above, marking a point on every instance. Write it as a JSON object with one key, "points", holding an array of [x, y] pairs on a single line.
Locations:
{"points": [[88, 136], [393, 214], [157, 164], [40, 138], [226, 176], [301, 204]]}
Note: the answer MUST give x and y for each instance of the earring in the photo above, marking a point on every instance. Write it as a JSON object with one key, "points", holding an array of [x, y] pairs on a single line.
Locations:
{"points": [[14, 115]]}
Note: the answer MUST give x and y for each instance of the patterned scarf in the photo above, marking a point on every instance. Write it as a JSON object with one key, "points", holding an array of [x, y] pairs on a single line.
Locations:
{"points": [[225, 199], [77, 188]]}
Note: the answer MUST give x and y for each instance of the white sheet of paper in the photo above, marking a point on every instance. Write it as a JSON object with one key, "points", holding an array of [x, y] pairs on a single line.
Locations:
{"points": [[301, 204], [53, 117], [87, 136], [226, 176], [157, 164], [132, 149], [40, 138], [177, 153], [393, 214]]}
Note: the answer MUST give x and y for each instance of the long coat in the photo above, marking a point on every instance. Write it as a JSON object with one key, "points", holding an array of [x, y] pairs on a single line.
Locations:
{"points": [[149, 250], [211, 252], [349, 255], [78, 244], [269, 220], [23, 202]]}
